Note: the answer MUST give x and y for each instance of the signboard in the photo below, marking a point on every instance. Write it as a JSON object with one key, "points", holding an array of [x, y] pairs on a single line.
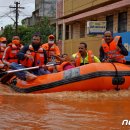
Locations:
{"points": [[96, 27]]}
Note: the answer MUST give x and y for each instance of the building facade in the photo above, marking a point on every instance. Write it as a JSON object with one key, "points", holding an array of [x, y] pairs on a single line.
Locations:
{"points": [[43, 8], [27, 21], [73, 15]]}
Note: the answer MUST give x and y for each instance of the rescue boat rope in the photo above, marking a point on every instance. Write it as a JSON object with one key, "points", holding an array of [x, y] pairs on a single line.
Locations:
{"points": [[116, 75]]}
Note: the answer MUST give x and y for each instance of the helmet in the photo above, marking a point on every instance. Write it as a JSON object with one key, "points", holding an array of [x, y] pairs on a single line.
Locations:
{"points": [[51, 37], [3, 39]]}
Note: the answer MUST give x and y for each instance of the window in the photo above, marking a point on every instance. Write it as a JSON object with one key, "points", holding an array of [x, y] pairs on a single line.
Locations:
{"points": [[71, 31], [109, 24], [67, 32], [60, 32], [122, 22], [82, 29]]}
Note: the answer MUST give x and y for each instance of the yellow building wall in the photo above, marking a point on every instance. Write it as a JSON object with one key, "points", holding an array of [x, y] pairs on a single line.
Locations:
{"points": [[72, 6], [76, 31], [93, 42]]}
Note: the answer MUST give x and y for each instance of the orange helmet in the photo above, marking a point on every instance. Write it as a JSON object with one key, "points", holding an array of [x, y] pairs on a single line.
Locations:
{"points": [[3, 39], [51, 37]]}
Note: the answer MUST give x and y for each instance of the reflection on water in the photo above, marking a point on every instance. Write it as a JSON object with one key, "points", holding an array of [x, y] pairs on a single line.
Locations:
{"points": [[64, 110]]}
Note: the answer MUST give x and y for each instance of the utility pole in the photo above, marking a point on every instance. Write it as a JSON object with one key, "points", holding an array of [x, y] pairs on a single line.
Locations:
{"points": [[17, 7]]}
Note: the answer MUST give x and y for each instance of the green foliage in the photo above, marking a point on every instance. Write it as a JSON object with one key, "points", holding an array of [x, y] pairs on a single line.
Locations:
{"points": [[8, 32], [45, 29], [25, 33]]}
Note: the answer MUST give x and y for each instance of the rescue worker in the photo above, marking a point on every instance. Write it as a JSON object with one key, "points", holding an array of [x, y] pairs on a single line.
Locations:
{"points": [[51, 48], [3, 42], [53, 51], [10, 53], [84, 56], [32, 55], [112, 49]]}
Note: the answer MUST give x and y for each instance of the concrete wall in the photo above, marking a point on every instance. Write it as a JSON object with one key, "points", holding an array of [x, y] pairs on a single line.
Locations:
{"points": [[73, 6]]}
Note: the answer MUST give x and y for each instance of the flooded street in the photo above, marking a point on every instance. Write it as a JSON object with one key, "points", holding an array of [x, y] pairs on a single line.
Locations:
{"points": [[65, 110], [62, 48]]}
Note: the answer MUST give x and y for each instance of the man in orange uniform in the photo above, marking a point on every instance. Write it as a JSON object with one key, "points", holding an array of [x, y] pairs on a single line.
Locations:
{"points": [[112, 49], [52, 49], [32, 55], [3, 42], [10, 53]]}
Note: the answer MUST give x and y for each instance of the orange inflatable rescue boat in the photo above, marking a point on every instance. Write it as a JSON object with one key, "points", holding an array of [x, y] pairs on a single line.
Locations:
{"points": [[94, 76]]}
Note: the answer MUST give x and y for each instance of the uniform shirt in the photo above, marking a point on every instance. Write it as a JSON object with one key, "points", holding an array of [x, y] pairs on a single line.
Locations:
{"points": [[23, 51]]}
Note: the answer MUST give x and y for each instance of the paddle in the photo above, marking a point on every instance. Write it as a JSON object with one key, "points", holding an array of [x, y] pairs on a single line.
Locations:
{"points": [[24, 69]]}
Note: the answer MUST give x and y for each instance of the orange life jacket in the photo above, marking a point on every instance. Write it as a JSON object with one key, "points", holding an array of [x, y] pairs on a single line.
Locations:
{"points": [[51, 68], [2, 48], [60, 67], [38, 57], [50, 50], [89, 57], [13, 52], [112, 51]]}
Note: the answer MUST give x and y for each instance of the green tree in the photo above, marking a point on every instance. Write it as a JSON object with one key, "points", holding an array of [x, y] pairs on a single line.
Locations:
{"points": [[8, 32], [25, 33], [45, 29]]}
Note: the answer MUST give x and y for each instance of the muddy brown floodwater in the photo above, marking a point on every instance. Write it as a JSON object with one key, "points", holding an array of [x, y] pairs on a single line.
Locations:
{"points": [[64, 110]]}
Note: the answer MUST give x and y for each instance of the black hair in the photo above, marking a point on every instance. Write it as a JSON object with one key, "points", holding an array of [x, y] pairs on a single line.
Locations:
{"points": [[108, 31], [37, 34], [84, 43]]}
